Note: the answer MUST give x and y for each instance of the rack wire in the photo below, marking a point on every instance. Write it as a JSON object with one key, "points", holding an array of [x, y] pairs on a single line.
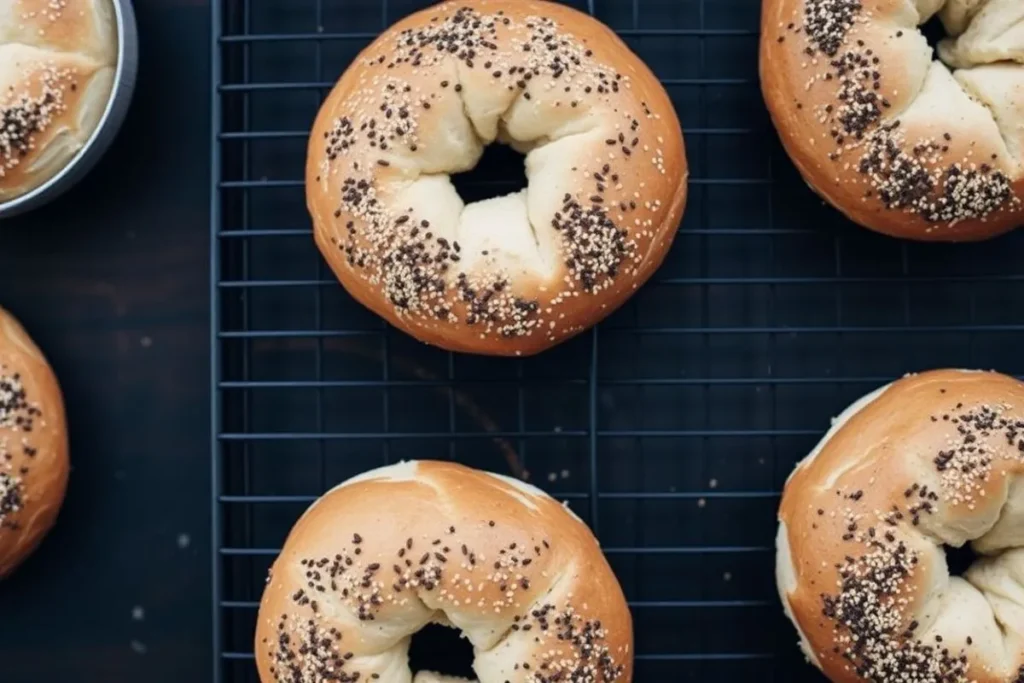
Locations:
{"points": [[670, 428]]}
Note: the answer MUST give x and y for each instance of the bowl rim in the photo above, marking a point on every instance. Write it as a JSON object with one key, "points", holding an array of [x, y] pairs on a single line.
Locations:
{"points": [[126, 40]]}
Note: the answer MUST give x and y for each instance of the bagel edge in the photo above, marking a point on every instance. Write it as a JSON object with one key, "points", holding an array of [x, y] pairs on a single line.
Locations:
{"points": [[34, 463]]}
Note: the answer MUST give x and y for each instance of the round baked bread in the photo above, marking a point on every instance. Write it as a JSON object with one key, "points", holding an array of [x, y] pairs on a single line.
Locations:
{"points": [[512, 275], [57, 64], [392, 550], [930, 460], [900, 142], [33, 445]]}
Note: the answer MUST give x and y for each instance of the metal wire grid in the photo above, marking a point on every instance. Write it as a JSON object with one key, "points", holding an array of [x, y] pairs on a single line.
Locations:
{"points": [[670, 428]]}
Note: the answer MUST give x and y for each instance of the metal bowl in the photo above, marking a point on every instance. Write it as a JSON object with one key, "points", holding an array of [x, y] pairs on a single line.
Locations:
{"points": [[106, 130]]}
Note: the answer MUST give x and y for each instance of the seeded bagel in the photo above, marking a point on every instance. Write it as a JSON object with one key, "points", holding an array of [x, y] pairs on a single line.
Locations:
{"points": [[930, 460], [33, 445], [904, 144], [57, 62], [515, 274], [389, 551]]}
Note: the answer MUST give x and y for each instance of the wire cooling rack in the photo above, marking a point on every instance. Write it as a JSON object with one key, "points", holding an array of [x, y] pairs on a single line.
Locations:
{"points": [[670, 428]]}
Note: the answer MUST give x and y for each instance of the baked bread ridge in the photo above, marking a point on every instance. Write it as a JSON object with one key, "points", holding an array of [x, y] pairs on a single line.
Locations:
{"points": [[385, 553], [932, 459], [515, 274], [897, 141]]}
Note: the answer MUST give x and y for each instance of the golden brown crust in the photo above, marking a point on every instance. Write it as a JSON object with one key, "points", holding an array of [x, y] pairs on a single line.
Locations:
{"points": [[930, 459], [84, 27], [379, 557], [57, 62], [882, 132], [606, 165], [33, 445]]}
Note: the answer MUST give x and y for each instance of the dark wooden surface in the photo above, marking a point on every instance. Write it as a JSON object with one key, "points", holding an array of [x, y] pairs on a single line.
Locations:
{"points": [[112, 281]]}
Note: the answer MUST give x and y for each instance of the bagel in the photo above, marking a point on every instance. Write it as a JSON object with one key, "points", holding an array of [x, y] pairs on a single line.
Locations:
{"points": [[511, 275], [387, 552], [57, 63], [930, 460], [899, 142], [33, 445]]}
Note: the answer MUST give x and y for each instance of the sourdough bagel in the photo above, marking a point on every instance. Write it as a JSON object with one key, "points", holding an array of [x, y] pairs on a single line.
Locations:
{"points": [[512, 275], [57, 62], [387, 552], [928, 460], [900, 142], [33, 445]]}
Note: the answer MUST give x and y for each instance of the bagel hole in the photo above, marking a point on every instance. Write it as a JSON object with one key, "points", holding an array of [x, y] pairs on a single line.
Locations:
{"points": [[933, 31], [500, 171], [960, 559], [441, 649]]}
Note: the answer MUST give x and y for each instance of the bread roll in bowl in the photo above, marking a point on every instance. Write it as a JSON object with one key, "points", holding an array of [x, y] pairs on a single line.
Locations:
{"points": [[900, 142], [57, 64], [392, 550], [33, 445], [930, 460], [512, 275]]}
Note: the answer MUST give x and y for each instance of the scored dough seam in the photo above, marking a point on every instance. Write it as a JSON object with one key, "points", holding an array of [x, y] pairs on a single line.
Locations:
{"points": [[893, 116], [533, 606], [976, 96]]}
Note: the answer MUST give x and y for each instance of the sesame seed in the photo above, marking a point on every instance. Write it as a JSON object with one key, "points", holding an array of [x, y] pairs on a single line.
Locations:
{"points": [[24, 117]]}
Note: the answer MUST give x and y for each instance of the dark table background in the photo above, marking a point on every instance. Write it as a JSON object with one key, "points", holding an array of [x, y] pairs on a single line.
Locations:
{"points": [[112, 281]]}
